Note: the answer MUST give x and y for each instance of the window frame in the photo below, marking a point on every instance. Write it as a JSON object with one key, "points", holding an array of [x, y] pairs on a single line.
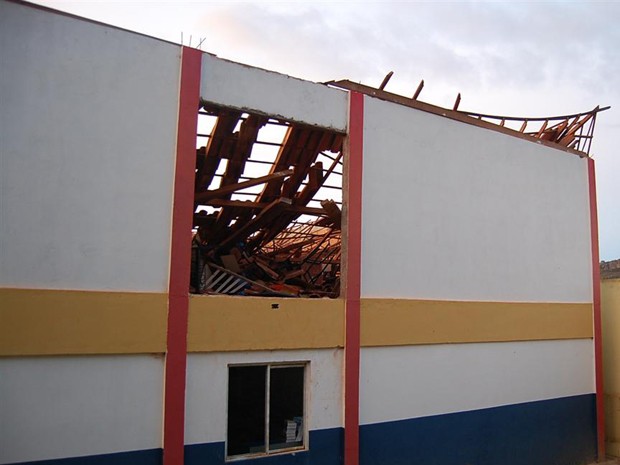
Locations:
{"points": [[305, 364]]}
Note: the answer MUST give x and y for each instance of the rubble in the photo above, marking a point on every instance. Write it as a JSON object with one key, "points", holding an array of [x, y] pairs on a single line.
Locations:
{"points": [[285, 240]]}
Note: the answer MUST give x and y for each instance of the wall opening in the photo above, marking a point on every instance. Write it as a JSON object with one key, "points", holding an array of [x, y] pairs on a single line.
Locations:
{"points": [[267, 206], [266, 411]]}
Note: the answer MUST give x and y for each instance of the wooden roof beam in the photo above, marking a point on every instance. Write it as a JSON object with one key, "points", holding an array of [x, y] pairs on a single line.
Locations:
{"points": [[223, 130], [386, 79], [571, 131], [243, 148], [260, 205], [266, 216], [223, 191], [418, 90]]}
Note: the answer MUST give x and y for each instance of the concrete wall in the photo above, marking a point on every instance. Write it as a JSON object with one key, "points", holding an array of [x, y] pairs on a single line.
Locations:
{"points": [[469, 236], [610, 308], [88, 145], [56, 407], [243, 87], [208, 373], [453, 211], [404, 382]]}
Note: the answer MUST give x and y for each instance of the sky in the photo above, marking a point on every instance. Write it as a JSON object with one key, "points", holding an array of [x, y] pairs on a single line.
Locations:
{"points": [[510, 58]]}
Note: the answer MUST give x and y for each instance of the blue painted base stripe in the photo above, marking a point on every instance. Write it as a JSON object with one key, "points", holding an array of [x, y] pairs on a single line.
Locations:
{"points": [[551, 432], [138, 457], [325, 449]]}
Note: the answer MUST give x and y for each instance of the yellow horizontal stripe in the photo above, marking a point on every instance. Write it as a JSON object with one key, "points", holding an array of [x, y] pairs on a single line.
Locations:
{"points": [[222, 323], [55, 322], [389, 322]]}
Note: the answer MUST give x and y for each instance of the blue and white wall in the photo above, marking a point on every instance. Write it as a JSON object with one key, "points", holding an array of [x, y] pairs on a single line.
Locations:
{"points": [[476, 299]]}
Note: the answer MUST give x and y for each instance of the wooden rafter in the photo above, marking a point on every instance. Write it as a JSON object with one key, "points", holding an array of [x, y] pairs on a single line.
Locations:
{"points": [[216, 149], [222, 192]]}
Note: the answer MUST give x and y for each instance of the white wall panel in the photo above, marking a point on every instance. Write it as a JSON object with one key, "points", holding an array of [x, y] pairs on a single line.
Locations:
{"points": [[207, 389], [54, 407], [416, 381], [244, 87], [87, 146], [454, 211]]}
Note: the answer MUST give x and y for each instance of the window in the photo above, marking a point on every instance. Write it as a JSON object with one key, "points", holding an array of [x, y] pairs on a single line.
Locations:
{"points": [[266, 411]]}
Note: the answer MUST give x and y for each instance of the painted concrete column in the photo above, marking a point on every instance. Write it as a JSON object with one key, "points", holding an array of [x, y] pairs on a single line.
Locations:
{"points": [[178, 291], [596, 304], [352, 314]]}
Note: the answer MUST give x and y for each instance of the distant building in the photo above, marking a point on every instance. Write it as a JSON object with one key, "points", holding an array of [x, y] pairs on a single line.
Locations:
{"points": [[610, 308], [610, 269], [324, 325]]}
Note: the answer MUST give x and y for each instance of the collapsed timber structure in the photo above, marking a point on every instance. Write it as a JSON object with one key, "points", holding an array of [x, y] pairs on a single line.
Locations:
{"points": [[266, 221], [268, 233]]}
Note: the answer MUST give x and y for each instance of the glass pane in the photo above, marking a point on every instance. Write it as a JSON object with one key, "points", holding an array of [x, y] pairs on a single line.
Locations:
{"points": [[246, 409], [286, 407]]}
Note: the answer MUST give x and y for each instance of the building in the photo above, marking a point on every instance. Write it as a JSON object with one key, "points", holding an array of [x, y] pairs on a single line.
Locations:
{"points": [[462, 267], [610, 309]]}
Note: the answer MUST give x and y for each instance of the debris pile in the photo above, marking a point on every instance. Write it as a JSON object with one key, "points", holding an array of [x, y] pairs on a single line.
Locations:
{"points": [[285, 240]]}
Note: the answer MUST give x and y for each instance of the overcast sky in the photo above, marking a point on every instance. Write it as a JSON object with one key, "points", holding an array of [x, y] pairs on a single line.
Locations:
{"points": [[517, 58]]}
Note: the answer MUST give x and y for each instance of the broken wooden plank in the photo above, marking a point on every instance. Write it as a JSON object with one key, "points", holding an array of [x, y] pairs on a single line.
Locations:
{"points": [[542, 129], [262, 264], [266, 216], [272, 188], [223, 129], [457, 102], [418, 90], [293, 274], [317, 142], [571, 131], [222, 191], [242, 149], [386, 79], [333, 212], [260, 205]]}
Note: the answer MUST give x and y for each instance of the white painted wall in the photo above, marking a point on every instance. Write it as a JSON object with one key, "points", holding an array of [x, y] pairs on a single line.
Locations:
{"points": [[416, 381], [87, 146], [244, 87], [207, 389], [53, 407], [453, 211]]}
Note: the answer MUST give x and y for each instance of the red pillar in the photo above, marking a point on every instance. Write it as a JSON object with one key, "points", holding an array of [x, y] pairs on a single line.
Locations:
{"points": [[353, 264], [596, 303], [180, 258]]}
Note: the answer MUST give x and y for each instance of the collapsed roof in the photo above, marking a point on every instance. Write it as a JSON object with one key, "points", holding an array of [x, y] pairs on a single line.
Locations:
{"points": [[268, 193], [571, 132], [276, 233]]}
